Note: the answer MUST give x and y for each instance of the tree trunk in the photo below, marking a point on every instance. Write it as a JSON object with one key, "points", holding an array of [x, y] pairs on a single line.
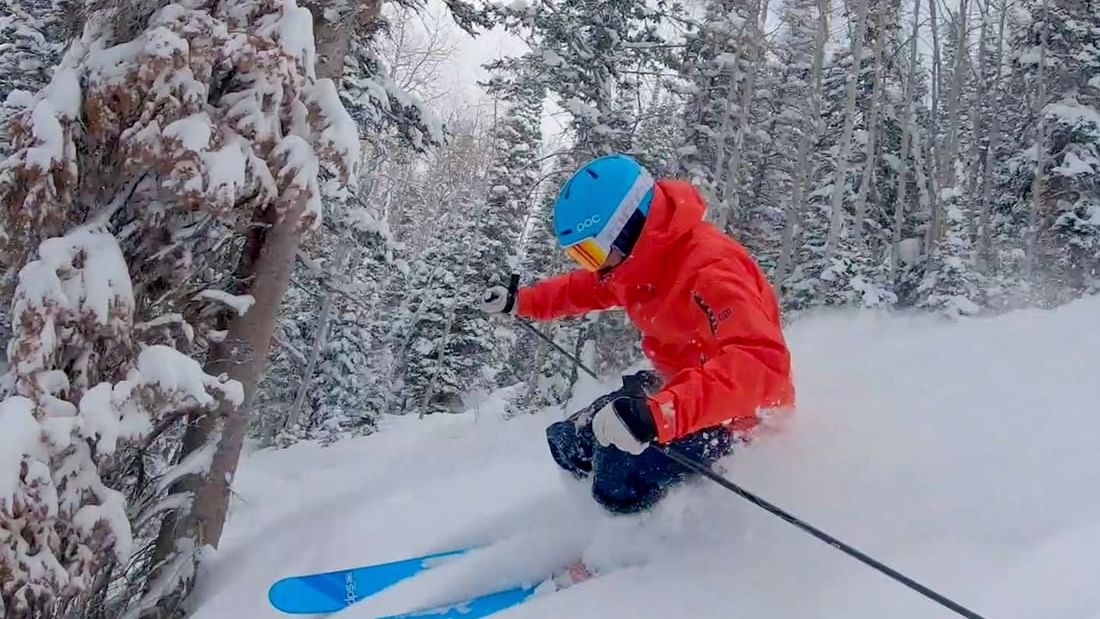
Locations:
{"points": [[266, 264], [440, 360], [985, 216], [906, 137], [732, 189], [264, 272], [977, 114], [1033, 213], [932, 234], [871, 161], [811, 123], [955, 102], [320, 338], [836, 205], [920, 168], [721, 148]]}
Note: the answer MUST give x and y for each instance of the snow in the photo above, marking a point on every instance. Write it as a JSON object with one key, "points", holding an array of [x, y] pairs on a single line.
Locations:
{"points": [[193, 132], [174, 371], [341, 135], [64, 93], [909, 250], [20, 437], [167, 320], [552, 58], [1073, 113], [1073, 164], [300, 169], [580, 109], [49, 149], [726, 60], [296, 34], [99, 417], [160, 42], [110, 512], [959, 452], [240, 303], [99, 287], [196, 462], [19, 99]]}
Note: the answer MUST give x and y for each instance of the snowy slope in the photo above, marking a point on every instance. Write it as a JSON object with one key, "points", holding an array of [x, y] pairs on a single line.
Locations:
{"points": [[963, 454]]}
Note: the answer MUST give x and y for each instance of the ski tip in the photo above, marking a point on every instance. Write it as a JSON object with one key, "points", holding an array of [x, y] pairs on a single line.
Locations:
{"points": [[328, 592], [297, 596]]}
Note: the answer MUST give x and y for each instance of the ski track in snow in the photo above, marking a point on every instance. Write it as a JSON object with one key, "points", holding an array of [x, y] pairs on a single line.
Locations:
{"points": [[962, 454]]}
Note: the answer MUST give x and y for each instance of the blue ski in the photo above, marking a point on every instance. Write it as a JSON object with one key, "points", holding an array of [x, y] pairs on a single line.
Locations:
{"points": [[480, 606], [485, 605], [329, 592]]}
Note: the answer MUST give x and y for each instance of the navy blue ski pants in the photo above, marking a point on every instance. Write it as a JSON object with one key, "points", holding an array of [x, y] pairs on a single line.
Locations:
{"points": [[623, 483]]}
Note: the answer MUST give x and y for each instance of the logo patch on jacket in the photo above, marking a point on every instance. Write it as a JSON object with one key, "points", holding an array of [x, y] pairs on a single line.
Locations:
{"points": [[712, 318]]}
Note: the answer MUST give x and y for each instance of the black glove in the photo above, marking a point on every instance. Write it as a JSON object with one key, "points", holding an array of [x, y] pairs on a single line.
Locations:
{"points": [[627, 421], [637, 417]]}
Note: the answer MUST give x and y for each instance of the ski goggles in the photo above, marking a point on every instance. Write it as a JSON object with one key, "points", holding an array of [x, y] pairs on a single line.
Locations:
{"points": [[592, 253]]}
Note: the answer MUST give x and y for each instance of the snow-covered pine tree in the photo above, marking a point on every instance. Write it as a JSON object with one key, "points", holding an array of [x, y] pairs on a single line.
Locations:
{"points": [[33, 35], [328, 380], [801, 55], [988, 116], [588, 53], [549, 376], [767, 167], [949, 285], [1053, 168], [512, 181], [345, 395], [657, 142], [32, 39], [838, 265], [448, 342], [196, 125], [89, 399], [713, 67], [949, 280]]}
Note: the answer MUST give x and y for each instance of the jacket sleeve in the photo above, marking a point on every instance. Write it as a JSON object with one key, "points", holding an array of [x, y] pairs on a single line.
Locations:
{"points": [[571, 294], [751, 370]]}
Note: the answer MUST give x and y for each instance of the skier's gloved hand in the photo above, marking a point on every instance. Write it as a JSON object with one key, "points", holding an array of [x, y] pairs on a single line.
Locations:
{"points": [[625, 423], [500, 299]]}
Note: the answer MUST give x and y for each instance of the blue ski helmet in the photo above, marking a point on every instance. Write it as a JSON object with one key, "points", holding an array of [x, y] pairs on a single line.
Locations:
{"points": [[601, 207]]}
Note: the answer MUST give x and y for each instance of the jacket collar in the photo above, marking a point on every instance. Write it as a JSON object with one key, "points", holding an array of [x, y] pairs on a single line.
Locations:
{"points": [[676, 209]]}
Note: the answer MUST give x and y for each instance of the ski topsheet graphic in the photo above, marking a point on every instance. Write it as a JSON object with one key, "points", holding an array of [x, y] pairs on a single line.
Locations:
{"points": [[471, 581], [480, 606], [485, 605], [329, 592]]}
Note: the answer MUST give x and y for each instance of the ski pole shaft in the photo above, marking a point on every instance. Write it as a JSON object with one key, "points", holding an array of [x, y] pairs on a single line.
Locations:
{"points": [[568, 355], [694, 465]]}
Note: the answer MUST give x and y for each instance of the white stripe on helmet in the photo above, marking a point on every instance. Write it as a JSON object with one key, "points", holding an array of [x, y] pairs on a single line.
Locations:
{"points": [[630, 203]]}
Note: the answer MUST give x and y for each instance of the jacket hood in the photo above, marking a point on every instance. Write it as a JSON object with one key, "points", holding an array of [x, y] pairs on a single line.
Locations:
{"points": [[676, 209]]}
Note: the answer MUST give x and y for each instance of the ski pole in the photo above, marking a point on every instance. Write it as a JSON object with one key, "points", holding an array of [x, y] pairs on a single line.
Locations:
{"points": [[565, 353], [698, 467], [690, 463]]}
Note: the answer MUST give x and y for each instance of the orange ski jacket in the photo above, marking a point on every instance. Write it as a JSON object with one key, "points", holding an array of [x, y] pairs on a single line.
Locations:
{"points": [[708, 316]]}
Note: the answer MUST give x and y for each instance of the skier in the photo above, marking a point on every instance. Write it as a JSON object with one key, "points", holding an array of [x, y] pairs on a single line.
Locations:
{"points": [[708, 316]]}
